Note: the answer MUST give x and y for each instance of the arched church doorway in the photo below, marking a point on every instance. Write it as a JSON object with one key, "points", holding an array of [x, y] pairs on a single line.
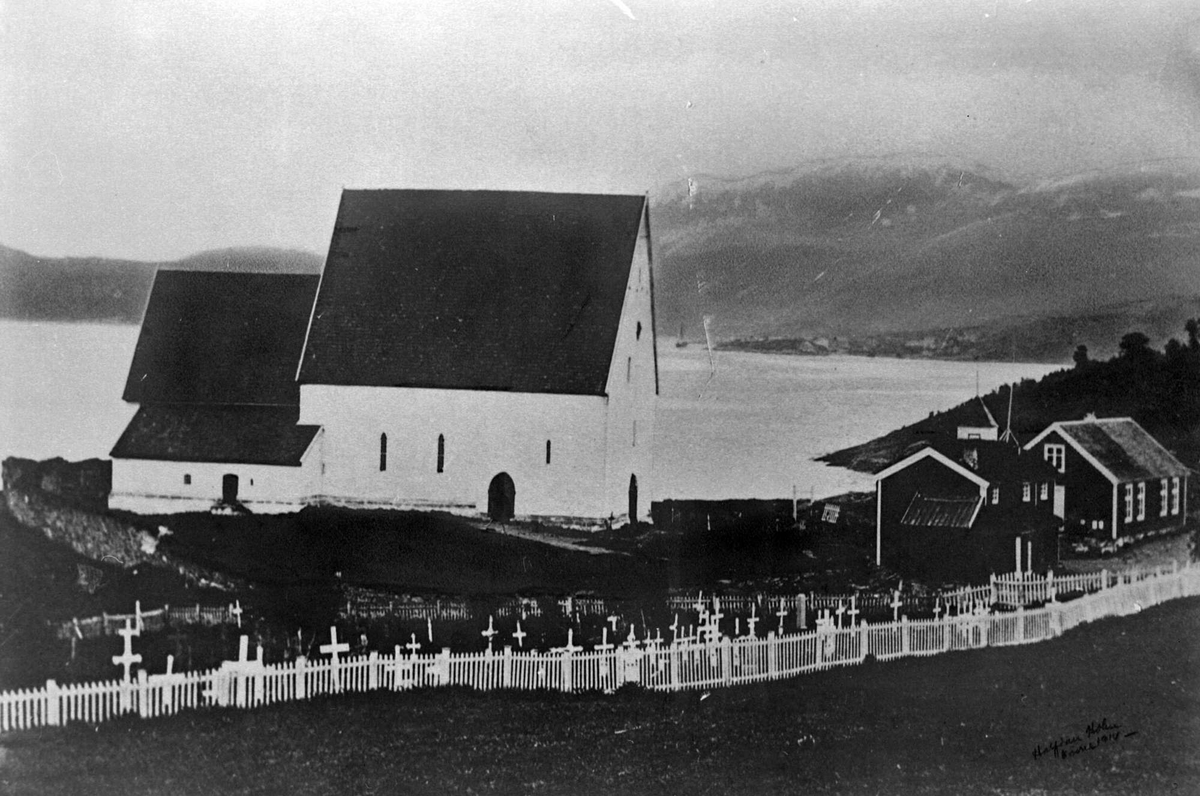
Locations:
{"points": [[502, 498], [229, 488], [633, 500]]}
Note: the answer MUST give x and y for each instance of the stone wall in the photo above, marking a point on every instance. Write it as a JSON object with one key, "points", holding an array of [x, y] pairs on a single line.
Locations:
{"points": [[54, 497]]}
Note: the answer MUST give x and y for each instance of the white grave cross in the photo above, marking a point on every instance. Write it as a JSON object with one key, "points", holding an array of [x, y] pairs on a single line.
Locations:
{"points": [[520, 635], [604, 646], [128, 658], [896, 603], [612, 620], [854, 612], [413, 645], [333, 647], [631, 641], [489, 633], [782, 614], [236, 610]]}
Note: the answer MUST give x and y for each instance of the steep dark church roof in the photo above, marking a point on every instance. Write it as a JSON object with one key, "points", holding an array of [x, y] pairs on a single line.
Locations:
{"points": [[198, 433], [483, 290], [221, 338]]}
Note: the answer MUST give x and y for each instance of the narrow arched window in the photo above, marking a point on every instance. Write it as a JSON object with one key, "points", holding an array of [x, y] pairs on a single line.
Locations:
{"points": [[638, 334], [382, 452], [548, 452], [441, 461]]}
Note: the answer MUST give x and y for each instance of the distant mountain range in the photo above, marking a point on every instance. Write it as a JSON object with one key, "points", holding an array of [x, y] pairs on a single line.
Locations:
{"points": [[923, 250], [98, 289], [912, 257]]}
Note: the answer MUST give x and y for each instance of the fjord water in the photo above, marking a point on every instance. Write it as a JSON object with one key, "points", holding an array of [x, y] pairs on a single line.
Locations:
{"points": [[749, 430]]}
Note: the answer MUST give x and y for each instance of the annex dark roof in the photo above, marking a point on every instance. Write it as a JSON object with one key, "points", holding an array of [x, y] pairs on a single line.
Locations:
{"points": [[485, 290], [941, 512], [1123, 448], [997, 462], [221, 338], [197, 433]]}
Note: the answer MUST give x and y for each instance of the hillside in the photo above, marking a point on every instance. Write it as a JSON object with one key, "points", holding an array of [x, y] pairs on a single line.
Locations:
{"points": [[1159, 390], [99, 289], [857, 249]]}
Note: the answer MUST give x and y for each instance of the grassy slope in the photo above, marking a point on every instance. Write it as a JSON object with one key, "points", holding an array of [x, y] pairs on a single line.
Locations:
{"points": [[420, 552], [1162, 394], [958, 723]]}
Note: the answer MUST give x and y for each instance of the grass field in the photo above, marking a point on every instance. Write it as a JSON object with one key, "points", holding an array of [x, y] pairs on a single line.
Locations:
{"points": [[965, 722]]}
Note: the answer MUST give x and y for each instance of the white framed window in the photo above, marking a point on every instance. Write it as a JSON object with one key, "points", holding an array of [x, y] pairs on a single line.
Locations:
{"points": [[1175, 495], [1026, 492], [187, 479], [1141, 500], [995, 496], [1057, 456], [547, 451], [382, 452], [441, 453], [1129, 503], [1044, 491], [1164, 496]]}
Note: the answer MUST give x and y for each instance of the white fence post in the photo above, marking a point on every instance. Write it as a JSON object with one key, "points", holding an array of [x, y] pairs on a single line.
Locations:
{"points": [[904, 637], [1020, 624], [373, 671], [53, 706], [863, 642], [727, 659], [772, 655], [566, 670], [301, 689], [143, 706], [995, 594], [506, 671]]}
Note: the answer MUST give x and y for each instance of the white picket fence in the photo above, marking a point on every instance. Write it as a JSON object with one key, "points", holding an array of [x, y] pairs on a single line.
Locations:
{"points": [[685, 664], [156, 619]]}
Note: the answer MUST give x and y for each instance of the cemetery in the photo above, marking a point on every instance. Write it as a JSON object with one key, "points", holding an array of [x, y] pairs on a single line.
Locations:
{"points": [[699, 653]]}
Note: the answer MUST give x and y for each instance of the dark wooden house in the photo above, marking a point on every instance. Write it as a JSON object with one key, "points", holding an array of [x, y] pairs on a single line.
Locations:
{"points": [[959, 510], [1120, 482]]}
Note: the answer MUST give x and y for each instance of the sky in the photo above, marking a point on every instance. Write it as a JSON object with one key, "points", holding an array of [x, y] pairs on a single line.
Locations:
{"points": [[153, 129]]}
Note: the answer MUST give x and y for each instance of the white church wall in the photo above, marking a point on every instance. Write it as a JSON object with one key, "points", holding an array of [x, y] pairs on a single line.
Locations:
{"points": [[151, 486], [632, 391], [485, 433]]}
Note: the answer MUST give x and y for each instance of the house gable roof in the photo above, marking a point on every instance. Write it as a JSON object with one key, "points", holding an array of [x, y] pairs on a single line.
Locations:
{"points": [[221, 338], [930, 452], [483, 290], [1118, 447], [199, 433]]}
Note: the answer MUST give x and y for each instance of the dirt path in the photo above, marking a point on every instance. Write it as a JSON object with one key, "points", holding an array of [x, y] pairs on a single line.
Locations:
{"points": [[545, 538]]}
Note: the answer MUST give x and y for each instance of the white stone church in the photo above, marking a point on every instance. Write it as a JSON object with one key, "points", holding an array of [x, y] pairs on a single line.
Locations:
{"points": [[479, 352]]}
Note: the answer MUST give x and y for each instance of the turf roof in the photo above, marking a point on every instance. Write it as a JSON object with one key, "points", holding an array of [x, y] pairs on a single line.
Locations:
{"points": [[483, 290], [200, 433], [221, 338]]}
